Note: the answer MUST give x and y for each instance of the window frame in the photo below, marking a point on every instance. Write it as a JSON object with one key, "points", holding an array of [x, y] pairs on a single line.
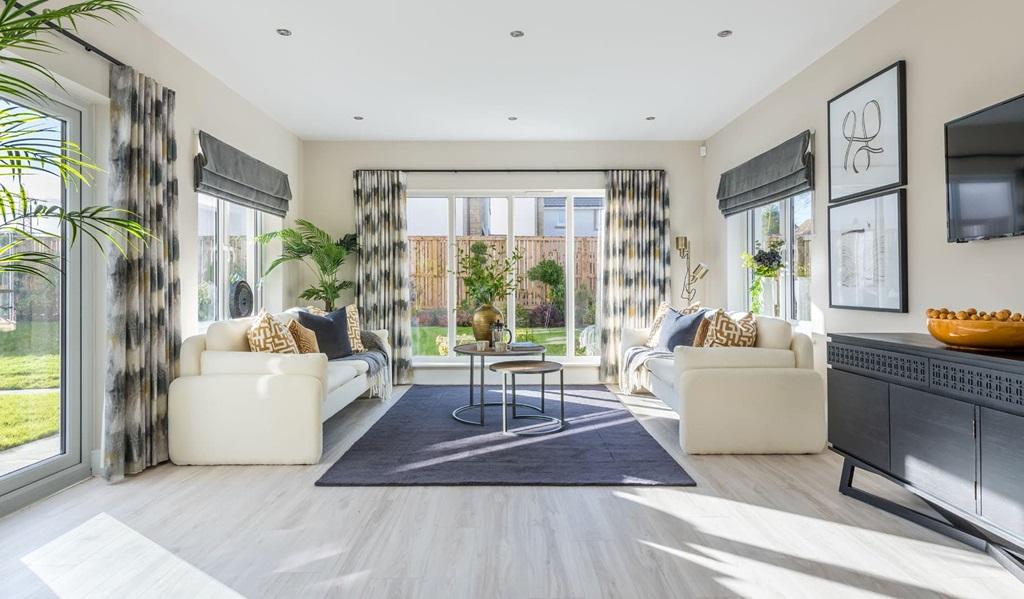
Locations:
{"points": [[222, 259], [788, 228], [570, 195]]}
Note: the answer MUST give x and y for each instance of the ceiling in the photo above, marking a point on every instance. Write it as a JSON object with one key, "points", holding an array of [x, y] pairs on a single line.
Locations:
{"points": [[449, 70]]}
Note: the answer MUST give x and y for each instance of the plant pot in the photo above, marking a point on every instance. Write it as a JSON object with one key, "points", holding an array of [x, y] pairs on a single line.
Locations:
{"points": [[484, 317]]}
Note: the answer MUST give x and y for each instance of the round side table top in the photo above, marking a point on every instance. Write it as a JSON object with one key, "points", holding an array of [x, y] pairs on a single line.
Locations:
{"points": [[470, 349], [526, 367]]}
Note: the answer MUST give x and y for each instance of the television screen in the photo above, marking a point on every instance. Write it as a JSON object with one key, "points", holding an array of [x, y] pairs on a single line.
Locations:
{"points": [[985, 173]]}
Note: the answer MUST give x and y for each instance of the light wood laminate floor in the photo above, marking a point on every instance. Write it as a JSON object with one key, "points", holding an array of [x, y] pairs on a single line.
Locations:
{"points": [[755, 526]]}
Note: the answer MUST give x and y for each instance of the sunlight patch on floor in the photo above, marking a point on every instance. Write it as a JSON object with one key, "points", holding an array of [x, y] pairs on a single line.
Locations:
{"points": [[105, 558]]}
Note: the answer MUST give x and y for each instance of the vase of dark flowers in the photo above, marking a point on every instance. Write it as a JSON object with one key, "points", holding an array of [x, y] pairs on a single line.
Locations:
{"points": [[764, 264]]}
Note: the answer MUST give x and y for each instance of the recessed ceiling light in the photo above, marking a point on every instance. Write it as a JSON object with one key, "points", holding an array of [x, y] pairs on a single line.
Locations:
{"points": [[284, 32], [725, 33], [357, 117], [513, 118], [650, 118], [517, 33]]}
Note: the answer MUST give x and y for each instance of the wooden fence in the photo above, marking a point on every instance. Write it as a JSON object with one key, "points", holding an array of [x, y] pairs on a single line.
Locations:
{"points": [[430, 266]]}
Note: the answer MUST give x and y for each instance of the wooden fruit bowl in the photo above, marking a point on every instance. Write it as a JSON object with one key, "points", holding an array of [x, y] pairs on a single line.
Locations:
{"points": [[978, 334]]}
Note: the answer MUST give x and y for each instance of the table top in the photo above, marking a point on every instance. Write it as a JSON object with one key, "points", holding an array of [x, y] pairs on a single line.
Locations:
{"points": [[470, 349], [526, 367]]}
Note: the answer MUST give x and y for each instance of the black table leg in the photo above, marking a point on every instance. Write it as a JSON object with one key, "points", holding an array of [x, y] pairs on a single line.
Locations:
{"points": [[482, 402], [471, 379], [514, 396], [561, 392]]}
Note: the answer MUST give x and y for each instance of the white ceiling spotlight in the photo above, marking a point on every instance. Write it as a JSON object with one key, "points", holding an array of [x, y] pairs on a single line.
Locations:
{"points": [[517, 33], [725, 33], [284, 32]]}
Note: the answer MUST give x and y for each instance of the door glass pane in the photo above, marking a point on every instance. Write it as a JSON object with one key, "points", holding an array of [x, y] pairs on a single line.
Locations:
{"points": [[588, 221], [803, 233], [481, 234], [239, 247], [767, 228], [31, 323], [427, 220], [208, 298], [540, 225]]}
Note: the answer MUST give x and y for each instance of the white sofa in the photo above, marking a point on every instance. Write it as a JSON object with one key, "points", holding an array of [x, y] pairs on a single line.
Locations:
{"points": [[233, 406], [764, 399]]}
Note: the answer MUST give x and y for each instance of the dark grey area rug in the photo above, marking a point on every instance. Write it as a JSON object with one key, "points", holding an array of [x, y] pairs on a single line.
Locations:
{"points": [[417, 442]]}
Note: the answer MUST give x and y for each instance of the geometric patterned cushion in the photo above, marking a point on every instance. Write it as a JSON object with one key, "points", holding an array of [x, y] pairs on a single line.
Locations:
{"points": [[355, 332], [315, 311], [268, 335], [304, 338], [724, 330], [659, 319]]}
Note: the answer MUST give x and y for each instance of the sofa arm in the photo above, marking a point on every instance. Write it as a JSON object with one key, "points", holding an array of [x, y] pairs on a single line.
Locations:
{"points": [[245, 419], [192, 349], [699, 358], [258, 363], [632, 338], [381, 337], [803, 350]]}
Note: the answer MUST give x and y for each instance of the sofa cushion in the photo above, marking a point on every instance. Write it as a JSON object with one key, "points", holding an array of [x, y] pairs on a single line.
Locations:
{"points": [[355, 330], [679, 329], [664, 309], [773, 333], [228, 335], [304, 338], [664, 369], [725, 330], [233, 362], [270, 335], [697, 358], [331, 332], [339, 373]]}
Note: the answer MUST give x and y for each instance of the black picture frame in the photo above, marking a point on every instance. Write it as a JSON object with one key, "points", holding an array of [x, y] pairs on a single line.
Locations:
{"points": [[901, 95], [901, 199]]}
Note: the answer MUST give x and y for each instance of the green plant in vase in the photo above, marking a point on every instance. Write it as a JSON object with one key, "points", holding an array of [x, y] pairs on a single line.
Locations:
{"points": [[487, 277], [764, 263]]}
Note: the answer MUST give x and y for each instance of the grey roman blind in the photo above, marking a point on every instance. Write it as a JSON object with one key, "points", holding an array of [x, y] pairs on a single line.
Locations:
{"points": [[785, 170], [228, 173]]}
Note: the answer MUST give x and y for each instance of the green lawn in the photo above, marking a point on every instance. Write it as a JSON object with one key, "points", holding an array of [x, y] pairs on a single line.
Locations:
{"points": [[28, 416], [424, 339], [29, 372]]}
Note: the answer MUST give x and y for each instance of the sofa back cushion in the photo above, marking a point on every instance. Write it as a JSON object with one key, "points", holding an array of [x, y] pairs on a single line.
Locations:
{"points": [[331, 332], [228, 335], [773, 333]]}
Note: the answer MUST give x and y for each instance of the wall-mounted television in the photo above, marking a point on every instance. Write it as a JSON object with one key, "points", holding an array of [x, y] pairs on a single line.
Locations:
{"points": [[985, 173]]}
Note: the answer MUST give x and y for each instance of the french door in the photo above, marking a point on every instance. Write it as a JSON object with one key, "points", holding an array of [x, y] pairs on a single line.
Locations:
{"points": [[40, 329]]}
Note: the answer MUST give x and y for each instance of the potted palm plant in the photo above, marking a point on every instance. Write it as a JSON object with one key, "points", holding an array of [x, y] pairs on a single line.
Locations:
{"points": [[324, 256], [29, 146]]}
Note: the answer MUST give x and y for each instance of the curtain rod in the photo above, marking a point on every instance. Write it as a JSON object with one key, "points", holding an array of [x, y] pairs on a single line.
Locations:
{"points": [[517, 170], [81, 42]]}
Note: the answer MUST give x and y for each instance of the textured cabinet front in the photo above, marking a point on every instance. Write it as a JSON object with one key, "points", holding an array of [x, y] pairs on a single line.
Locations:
{"points": [[932, 441], [1002, 470], [858, 417]]}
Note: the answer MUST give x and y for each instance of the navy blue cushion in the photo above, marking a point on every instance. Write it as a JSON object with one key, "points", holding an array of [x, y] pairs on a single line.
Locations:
{"points": [[679, 329], [331, 332]]}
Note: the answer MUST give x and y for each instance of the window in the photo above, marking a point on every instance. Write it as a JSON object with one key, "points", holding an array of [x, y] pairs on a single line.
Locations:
{"points": [[557, 235], [40, 329], [228, 253], [791, 222]]}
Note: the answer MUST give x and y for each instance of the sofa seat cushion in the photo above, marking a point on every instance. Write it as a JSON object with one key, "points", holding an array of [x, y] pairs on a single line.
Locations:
{"points": [[698, 358], [663, 369], [339, 373]]}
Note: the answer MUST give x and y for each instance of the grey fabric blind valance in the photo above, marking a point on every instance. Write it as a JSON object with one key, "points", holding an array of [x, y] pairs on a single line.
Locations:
{"points": [[785, 170], [230, 174]]}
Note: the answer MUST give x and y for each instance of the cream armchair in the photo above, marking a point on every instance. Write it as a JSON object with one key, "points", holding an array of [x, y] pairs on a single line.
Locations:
{"points": [[764, 399]]}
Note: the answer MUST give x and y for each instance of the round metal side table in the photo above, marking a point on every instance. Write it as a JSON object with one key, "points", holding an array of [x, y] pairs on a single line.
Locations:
{"points": [[469, 349]]}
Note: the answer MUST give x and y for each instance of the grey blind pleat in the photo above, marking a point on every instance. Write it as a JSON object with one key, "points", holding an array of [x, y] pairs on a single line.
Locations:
{"points": [[228, 173], [783, 171]]}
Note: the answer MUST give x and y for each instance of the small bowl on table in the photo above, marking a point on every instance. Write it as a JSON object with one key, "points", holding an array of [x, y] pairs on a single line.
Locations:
{"points": [[998, 335]]}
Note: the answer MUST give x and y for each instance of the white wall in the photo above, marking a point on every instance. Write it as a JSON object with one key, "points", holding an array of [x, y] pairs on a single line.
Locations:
{"points": [[961, 56], [202, 102]]}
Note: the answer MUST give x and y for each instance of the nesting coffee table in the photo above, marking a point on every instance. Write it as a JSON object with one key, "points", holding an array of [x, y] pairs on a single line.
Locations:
{"points": [[541, 367]]}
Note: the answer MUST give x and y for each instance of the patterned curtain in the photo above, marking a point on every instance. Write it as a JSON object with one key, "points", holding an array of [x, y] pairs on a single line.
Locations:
{"points": [[143, 293], [636, 258], [382, 277]]}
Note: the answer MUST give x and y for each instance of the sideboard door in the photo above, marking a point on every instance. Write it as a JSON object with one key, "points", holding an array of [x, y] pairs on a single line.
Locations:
{"points": [[933, 445], [1002, 470], [858, 417]]}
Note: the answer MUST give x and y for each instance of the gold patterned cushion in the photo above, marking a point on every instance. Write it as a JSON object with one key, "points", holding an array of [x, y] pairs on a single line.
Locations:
{"points": [[315, 311], [305, 339], [659, 319], [269, 335], [724, 330], [355, 332]]}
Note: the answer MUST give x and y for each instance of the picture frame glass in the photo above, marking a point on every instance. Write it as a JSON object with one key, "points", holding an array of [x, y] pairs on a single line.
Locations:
{"points": [[866, 138], [865, 253]]}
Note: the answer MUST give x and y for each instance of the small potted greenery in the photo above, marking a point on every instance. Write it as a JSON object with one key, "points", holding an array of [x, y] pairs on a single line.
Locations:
{"points": [[764, 263], [487, 277]]}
